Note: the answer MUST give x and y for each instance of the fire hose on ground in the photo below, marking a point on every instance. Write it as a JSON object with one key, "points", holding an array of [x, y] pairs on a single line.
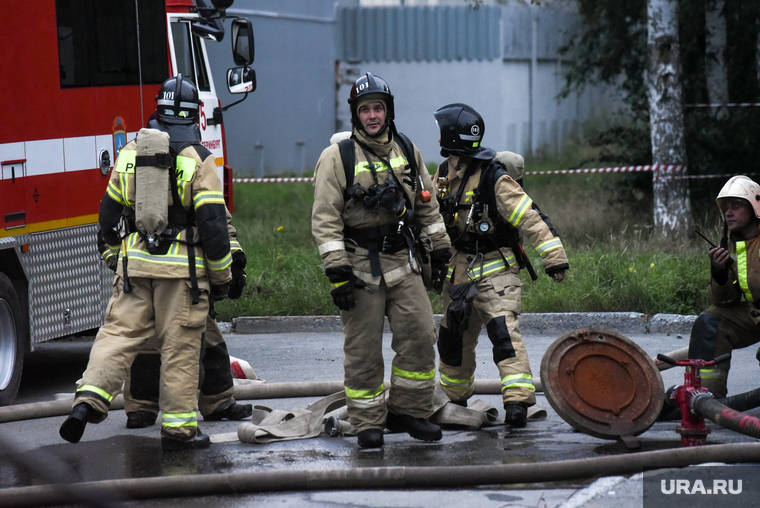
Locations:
{"points": [[371, 478], [397, 477], [256, 391]]}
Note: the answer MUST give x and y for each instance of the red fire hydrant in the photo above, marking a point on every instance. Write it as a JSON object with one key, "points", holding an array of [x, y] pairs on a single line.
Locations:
{"points": [[692, 430]]}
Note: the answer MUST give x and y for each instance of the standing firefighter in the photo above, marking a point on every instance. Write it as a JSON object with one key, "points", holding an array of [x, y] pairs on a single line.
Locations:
{"points": [[485, 212], [371, 202], [165, 214], [733, 322], [215, 400]]}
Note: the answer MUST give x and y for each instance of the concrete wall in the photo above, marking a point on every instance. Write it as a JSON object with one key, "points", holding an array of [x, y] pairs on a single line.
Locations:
{"points": [[498, 90], [285, 124], [300, 102]]}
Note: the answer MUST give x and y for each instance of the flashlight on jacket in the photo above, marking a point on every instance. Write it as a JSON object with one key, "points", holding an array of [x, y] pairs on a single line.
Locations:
{"points": [[424, 194]]}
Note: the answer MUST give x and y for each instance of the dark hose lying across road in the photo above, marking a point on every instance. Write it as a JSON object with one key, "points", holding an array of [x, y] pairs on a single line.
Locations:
{"points": [[707, 407], [741, 402], [367, 478]]}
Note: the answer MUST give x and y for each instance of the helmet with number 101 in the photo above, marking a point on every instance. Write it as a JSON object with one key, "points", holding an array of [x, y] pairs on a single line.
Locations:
{"points": [[177, 101], [370, 86]]}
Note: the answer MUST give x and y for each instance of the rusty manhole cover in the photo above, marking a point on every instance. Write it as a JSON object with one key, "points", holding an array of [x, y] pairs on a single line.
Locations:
{"points": [[602, 383]]}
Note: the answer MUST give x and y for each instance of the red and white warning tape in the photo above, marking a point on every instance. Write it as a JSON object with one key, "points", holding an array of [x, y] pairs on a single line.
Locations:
{"points": [[620, 169], [726, 105], [271, 180], [671, 170]]}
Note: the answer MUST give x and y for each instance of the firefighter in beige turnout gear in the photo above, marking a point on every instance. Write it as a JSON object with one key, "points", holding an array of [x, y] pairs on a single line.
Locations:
{"points": [[733, 322], [486, 211], [365, 231], [163, 283], [215, 400]]}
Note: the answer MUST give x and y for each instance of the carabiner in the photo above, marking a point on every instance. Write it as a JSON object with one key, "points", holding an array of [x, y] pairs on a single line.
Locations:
{"points": [[469, 267]]}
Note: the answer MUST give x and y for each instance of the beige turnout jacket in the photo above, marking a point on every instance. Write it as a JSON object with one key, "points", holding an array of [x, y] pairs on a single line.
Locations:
{"points": [[333, 211], [514, 207]]}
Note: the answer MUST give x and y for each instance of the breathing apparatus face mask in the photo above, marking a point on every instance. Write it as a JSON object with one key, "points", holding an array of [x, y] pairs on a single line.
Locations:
{"points": [[386, 198]]}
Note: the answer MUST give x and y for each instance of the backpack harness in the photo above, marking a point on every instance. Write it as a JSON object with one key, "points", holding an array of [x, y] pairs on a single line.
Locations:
{"points": [[492, 232], [388, 238], [179, 219]]}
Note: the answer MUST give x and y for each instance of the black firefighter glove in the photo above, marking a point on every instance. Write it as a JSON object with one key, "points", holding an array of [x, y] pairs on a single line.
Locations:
{"points": [[342, 282], [439, 261], [218, 292], [238, 275], [460, 309]]}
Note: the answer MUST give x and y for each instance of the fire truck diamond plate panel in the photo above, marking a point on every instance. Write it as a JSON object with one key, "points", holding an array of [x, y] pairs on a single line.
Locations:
{"points": [[69, 284]]}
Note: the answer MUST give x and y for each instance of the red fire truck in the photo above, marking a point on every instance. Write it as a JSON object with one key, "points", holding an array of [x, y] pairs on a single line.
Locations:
{"points": [[79, 80]]}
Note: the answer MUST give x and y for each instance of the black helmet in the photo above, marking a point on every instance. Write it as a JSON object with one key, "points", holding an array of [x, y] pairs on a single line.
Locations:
{"points": [[370, 85], [462, 130], [182, 107]]}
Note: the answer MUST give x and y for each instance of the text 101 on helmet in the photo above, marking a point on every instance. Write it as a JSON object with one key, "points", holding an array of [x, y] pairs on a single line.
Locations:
{"points": [[462, 129], [177, 101], [365, 87]]}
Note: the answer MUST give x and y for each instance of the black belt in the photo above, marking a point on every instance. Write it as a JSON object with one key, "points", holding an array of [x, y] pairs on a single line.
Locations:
{"points": [[383, 239]]}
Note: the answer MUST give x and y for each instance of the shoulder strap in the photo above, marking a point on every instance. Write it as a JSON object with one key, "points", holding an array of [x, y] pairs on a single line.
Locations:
{"points": [[443, 169], [486, 192], [346, 147], [406, 146]]}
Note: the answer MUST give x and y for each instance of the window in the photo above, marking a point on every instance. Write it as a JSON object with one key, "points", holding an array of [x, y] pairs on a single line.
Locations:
{"points": [[188, 50], [97, 42]]}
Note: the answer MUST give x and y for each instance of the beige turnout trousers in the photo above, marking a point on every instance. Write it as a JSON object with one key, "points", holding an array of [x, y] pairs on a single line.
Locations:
{"points": [[497, 305], [160, 308], [413, 369], [141, 388]]}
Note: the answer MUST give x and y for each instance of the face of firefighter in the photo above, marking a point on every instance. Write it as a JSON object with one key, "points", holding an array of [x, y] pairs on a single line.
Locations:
{"points": [[740, 217], [372, 117]]}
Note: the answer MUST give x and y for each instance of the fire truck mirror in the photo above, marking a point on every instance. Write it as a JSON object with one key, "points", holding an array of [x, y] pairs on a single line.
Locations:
{"points": [[105, 162], [243, 51], [241, 80]]}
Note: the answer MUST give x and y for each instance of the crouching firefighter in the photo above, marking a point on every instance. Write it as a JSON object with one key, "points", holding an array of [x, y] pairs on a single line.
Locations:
{"points": [[371, 198], [733, 321], [486, 212], [174, 253]]}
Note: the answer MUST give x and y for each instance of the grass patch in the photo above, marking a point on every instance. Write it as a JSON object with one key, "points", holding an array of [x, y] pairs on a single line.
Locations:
{"points": [[616, 263]]}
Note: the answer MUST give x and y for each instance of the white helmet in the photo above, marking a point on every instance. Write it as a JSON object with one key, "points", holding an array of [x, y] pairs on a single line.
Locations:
{"points": [[741, 187]]}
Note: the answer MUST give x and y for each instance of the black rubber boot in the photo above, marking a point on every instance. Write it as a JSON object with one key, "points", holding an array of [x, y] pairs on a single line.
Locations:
{"points": [[418, 428], [73, 428], [370, 438], [141, 419], [462, 403], [516, 414], [201, 440], [234, 412]]}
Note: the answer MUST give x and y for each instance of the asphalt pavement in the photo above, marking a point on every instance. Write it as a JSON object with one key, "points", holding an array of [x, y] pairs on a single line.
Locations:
{"points": [[109, 451]]}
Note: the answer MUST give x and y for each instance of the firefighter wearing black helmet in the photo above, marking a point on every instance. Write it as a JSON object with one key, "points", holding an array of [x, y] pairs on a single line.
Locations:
{"points": [[366, 218], [486, 213], [165, 276]]}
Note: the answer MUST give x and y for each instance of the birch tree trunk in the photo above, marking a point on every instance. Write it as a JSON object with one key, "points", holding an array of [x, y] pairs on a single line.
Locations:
{"points": [[672, 209], [715, 46]]}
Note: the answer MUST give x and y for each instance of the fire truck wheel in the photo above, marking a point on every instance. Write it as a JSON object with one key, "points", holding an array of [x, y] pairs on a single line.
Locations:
{"points": [[11, 342]]}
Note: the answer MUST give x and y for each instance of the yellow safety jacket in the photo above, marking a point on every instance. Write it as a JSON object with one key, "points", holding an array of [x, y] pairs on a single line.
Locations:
{"points": [[744, 274]]}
